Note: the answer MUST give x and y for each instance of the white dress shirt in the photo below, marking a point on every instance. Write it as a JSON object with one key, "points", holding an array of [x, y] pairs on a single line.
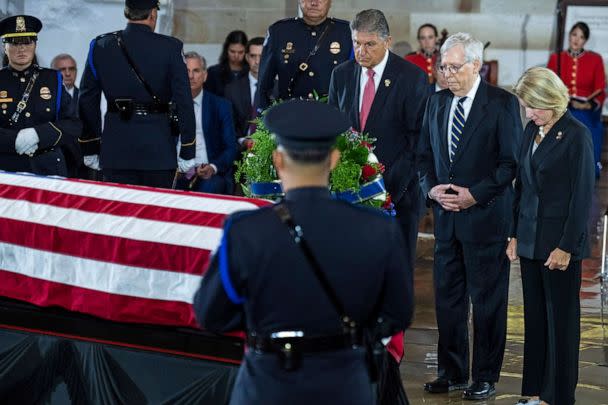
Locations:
{"points": [[466, 105], [378, 70], [253, 85], [69, 91]]}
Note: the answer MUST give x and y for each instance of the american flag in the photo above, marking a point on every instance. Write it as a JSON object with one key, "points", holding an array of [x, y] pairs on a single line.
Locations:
{"points": [[122, 253]]}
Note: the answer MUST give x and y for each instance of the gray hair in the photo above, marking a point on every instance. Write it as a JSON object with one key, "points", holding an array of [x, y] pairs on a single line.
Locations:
{"points": [[371, 21], [473, 49], [62, 56], [136, 14], [196, 55]]}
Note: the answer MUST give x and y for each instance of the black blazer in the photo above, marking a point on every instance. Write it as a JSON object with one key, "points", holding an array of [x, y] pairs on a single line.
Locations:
{"points": [[553, 191], [485, 162], [394, 119], [238, 93]]}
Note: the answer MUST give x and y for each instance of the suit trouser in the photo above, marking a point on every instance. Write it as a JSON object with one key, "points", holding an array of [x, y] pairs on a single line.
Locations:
{"points": [[552, 313], [150, 178], [408, 216], [481, 272]]}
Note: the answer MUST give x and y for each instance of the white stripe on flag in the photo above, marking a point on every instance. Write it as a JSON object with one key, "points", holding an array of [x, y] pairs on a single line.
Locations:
{"points": [[100, 276], [201, 237], [129, 195]]}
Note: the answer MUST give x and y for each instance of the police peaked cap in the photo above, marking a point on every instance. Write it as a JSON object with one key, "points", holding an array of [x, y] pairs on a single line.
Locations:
{"points": [[302, 124], [19, 26], [142, 4]]}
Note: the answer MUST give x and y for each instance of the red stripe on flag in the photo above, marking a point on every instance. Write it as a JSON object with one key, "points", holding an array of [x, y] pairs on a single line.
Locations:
{"points": [[114, 307], [181, 259], [118, 208]]}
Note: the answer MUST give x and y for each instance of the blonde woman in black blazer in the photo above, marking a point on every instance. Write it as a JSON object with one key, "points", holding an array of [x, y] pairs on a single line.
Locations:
{"points": [[553, 191]]}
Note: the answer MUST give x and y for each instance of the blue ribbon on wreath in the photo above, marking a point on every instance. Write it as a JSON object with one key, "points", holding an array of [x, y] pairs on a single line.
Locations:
{"points": [[266, 188], [367, 191]]}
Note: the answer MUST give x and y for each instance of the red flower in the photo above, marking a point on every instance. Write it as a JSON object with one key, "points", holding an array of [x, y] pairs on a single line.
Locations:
{"points": [[368, 172], [367, 145], [248, 143], [381, 167], [389, 201]]}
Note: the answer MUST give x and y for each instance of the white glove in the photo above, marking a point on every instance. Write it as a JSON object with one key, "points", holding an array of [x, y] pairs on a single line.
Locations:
{"points": [[185, 165], [92, 161], [31, 150], [26, 139]]}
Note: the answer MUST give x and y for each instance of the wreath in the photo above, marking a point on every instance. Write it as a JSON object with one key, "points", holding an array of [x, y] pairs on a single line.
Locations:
{"points": [[357, 178]]}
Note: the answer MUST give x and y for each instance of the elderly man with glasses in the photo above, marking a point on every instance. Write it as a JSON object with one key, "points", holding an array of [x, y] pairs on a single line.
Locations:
{"points": [[467, 161]]}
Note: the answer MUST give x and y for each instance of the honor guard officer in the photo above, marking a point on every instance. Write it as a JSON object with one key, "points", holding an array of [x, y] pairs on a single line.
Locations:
{"points": [[308, 278], [303, 52], [426, 57], [140, 73], [38, 128]]}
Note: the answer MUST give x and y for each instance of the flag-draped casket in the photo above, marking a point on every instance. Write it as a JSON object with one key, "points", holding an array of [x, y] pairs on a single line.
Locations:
{"points": [[115, 256]]}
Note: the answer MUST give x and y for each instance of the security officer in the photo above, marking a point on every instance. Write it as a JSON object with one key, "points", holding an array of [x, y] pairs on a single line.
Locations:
{"points": [[38, 127], [138, 78], [303, 52], [308, 277]]}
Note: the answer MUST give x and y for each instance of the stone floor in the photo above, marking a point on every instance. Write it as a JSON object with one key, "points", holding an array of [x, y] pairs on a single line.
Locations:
{"points": [[420, 361]]}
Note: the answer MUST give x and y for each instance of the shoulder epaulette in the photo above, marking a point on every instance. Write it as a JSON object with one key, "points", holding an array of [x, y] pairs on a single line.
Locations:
{"points": [[284, 20], [240, 215], [339, 20]]}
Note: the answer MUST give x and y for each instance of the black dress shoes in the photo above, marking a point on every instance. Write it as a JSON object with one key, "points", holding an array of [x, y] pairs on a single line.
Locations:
{"points": [[442, 385], [479, 390]]}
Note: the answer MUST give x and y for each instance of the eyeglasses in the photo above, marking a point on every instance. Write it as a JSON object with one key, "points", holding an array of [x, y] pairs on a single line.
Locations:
{"points": [[453, 69]]}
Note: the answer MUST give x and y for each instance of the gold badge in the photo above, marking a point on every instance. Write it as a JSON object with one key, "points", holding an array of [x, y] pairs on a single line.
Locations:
{"points": [[45, 93], [20, 24], [3, 94], [387, 82], [303, 66], [288, 48], [334, 48]]}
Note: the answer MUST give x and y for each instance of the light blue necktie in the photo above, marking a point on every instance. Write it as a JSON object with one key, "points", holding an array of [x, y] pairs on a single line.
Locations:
{"points": [[457, 127]]}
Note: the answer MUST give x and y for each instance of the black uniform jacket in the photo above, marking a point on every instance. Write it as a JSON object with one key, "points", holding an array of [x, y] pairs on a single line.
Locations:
{"points": [[48, 111], [289, 43], [144, 142], [553, 191], [260, 281]]}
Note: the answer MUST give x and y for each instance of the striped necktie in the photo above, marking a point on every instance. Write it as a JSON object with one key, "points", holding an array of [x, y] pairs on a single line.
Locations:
{"points": [[457, 127]]}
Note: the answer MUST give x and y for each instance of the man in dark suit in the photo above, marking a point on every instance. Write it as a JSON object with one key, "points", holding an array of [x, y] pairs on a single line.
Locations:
{"points": [[138, 142], [467, 158], [301, 351], [384, 96], [215, 137], [66, 64], [242, 93]]}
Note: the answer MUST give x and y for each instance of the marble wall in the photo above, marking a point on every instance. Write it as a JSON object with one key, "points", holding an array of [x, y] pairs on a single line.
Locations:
{"points": [[519, 31]]}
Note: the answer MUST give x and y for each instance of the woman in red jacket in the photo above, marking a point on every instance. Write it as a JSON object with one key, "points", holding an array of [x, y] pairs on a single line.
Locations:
{"points": [[582, 71]]}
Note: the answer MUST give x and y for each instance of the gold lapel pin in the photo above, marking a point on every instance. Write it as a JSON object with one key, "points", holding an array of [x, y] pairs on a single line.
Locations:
{"points": [[559, 135], [387, 82]]}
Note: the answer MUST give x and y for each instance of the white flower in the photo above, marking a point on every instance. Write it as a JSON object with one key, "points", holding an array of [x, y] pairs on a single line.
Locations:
{"points": [[371, 158]]}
